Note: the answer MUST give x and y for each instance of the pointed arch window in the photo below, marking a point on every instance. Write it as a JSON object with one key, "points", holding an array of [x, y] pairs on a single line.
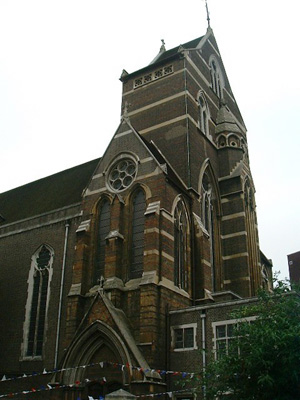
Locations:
{"points": [[180, 247], [208, 219], [37, 302], [216, 79], [206, 203], [252, 237], [137, 237], [103, 231], [203, 114]]}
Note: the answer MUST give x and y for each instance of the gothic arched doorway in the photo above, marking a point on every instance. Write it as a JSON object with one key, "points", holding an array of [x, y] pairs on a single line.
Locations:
{"points": [[96, 362]]}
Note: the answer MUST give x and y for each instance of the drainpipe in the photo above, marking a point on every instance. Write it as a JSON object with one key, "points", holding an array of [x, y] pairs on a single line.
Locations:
{"points": [[203, 317], [62, 281], [168, 345]]}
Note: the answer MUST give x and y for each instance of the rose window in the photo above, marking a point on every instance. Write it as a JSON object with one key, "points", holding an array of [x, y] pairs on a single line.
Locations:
{"points": [[122, 175]]}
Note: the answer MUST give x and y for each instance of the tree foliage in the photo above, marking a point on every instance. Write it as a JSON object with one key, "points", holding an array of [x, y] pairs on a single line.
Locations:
{"points": [[263, 359]]}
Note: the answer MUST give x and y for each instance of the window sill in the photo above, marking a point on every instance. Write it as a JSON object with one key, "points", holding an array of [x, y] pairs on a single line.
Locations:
{"points": [[29, 358], [186, 349]]}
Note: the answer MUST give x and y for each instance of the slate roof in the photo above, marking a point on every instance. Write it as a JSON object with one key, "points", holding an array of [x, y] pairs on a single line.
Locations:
{"points": [[47, 194], [192, 44], [173, 177], [169, 53]]}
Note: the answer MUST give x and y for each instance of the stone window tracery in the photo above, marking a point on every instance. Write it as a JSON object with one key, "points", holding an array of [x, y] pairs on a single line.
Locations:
{"points": [[153, 76], [37, 302], [222, 142], [122, 174], [233, 141]]}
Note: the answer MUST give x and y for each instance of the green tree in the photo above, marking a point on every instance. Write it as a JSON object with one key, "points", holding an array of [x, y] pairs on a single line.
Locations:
{"points": [[263, 359]]}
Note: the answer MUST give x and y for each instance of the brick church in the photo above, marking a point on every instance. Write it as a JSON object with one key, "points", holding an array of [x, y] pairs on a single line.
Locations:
{"points": [[120, 270]]}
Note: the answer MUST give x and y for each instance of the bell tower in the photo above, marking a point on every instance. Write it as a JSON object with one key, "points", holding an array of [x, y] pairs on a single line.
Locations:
{"points": [[182, 102]]}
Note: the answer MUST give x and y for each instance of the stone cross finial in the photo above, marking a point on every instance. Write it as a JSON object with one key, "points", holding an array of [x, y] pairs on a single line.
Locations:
{"points": [[101, 282]]}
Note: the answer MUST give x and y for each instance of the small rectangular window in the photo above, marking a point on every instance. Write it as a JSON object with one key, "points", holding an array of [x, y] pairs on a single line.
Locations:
{"points": [[184, 337]]}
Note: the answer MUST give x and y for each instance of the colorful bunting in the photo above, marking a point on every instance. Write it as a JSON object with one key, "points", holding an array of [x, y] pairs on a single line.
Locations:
{"points": [[42, 388], [102, 364], [102, 380]]}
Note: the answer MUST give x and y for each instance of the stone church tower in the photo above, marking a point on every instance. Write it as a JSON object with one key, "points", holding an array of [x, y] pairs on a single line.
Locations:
{"points": [[166, 222], [168, 215]]}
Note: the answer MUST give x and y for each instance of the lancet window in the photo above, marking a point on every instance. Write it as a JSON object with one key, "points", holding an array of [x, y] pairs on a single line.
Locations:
{"points": [[103, 231], [252, 240], [137, 235], [216, 80], [207, 208], [209, 221], [181, 247], [203, 114], [37, 301]]}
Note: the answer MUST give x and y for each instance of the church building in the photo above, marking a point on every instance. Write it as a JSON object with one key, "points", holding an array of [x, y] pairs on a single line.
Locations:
{"points": [[118, 271]]}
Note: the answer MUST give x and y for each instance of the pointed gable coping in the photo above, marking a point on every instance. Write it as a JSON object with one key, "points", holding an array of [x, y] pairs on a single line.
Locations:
{"points": [[115, 135], [120, 320], [204, 38], [155, 155], [152, 148], [120, 132], [165, 165], [160, 159]]}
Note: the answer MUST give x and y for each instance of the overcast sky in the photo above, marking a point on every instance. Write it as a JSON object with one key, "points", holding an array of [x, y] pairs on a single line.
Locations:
{"points": [[60, 94]]}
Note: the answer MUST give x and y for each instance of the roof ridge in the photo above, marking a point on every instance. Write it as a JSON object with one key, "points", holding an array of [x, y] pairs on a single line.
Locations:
{"points": [[52, 175]]}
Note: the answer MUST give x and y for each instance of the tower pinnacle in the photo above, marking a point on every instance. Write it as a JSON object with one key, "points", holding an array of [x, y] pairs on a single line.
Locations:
{"points": [[207, 13]]}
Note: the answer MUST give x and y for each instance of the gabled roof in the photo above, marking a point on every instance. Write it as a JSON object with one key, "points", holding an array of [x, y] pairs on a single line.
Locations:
{"points": [[192, 44], [163, 56], [47, 194]]}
